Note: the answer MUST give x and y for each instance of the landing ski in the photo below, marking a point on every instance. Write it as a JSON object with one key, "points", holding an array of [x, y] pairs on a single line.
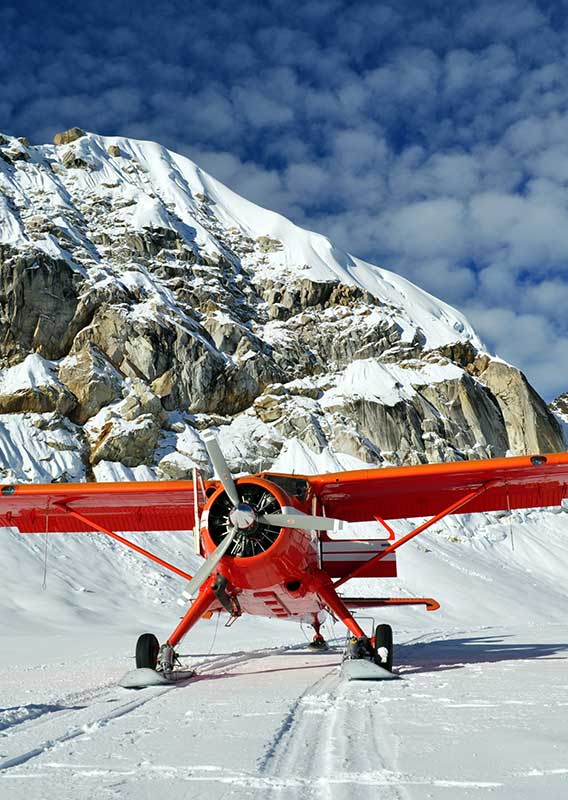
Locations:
{"points": [[361, 669], [144, 677]]}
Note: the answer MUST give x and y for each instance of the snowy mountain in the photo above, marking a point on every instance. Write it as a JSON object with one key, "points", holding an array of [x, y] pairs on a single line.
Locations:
{"points": [[559, 408], [142, 303]]}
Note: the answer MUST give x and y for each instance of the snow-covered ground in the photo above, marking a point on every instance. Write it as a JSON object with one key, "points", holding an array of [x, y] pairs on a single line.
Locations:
{"points": [[479, 708]]}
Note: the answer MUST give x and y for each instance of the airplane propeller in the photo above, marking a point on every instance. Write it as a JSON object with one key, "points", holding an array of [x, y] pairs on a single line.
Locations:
{"points": [[221, 467], [208, 566], [243, 516], [306, 522]]}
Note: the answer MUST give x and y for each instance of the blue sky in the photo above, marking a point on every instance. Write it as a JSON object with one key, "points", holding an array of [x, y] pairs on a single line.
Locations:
{"points": [[430, 138]]}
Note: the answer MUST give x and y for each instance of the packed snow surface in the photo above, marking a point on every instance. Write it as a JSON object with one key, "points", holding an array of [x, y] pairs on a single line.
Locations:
{"points": [[479, 707], [387, 383], [31, 373]]}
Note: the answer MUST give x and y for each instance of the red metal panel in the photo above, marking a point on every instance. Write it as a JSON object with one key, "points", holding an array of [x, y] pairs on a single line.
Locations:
{"points": [[144, 506], [391, 493], [399, 492]]}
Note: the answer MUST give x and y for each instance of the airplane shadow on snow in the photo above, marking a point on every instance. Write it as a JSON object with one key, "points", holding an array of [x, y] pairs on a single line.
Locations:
{"points": [[414, 658], [446, 654]]}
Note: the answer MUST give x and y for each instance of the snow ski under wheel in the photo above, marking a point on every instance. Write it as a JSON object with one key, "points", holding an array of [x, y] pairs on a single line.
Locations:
{"points": [[363, 669]]}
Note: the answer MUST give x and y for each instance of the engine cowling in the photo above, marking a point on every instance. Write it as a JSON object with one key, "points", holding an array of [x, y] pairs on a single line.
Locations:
{"points": [[261, 555]]}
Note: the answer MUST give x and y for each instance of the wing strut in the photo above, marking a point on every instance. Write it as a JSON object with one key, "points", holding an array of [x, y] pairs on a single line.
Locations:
{"points": [[386, 526], [362, 568], [95, 526]]}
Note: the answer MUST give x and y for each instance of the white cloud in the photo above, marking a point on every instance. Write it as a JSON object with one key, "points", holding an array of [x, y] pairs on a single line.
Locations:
{"points": [[428, 229], [529, 340]]}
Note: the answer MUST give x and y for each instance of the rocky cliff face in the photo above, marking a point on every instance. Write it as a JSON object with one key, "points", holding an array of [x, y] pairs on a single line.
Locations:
{"points": [[143, 302]]}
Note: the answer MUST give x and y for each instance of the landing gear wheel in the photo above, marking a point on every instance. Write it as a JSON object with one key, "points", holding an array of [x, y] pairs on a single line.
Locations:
{"points": [[318, 643], [147, 649], [383, 650]]}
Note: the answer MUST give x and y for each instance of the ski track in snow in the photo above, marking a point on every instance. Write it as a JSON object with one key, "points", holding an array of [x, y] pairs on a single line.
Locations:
{"points": [[478, 711], [280, 722], [94, 713]]}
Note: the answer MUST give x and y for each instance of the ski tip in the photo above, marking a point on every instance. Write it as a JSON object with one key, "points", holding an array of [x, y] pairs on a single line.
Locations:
{"points": [[359, 669], [141, 678]]}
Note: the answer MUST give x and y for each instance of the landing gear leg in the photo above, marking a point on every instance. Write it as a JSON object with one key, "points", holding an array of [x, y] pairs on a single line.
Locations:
{"points": [[318, 642], [379, 649], [201, 604], [167, 658], [359, 646], [149, 654], [324, 587]]}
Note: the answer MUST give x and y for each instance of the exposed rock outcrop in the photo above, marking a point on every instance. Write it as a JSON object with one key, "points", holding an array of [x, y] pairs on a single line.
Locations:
{"points": [[93, 381], [33, 386], [560, 406], [38, 303], [127, 431], [531, 426], [66, 137]]}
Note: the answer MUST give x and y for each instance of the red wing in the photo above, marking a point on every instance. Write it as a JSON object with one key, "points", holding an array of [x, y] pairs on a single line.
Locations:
{"points": [[425, 490], [144, 506], [391, 493]]}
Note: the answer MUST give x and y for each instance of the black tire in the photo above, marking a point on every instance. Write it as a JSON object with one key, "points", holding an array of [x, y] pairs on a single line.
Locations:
{"points": [[383, 638], [147, 649]]}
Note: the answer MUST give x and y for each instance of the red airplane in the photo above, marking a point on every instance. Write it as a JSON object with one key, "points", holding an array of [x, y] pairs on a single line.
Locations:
{"points": [[266, 538]]}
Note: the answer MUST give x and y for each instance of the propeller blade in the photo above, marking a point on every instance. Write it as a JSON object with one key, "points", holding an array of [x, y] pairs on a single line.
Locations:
{"points": [[208, 566], [306, 522], [221, 467]]}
